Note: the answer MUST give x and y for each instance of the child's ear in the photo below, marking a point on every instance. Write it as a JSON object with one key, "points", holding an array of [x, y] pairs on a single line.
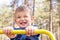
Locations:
{"points": [[14, 20], [32, 18]]}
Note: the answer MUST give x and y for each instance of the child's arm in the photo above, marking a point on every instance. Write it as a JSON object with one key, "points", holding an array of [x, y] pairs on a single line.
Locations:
{"points": [[8, 32]]}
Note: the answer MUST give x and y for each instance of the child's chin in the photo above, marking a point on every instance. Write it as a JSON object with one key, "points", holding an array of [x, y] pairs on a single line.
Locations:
{"points": [[23, 26]]}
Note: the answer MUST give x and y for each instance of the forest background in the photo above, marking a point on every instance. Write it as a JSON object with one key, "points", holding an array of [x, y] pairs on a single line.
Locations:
{"points": [[46, 13]]}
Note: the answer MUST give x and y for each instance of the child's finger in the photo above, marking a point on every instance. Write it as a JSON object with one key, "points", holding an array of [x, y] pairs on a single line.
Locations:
{"points": [[27, 32], [28, 35], [4, 31], [32, 32], [9, 31]]}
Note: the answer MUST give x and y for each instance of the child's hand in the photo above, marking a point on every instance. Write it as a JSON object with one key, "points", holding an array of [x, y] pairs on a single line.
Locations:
{"points": [[30, 31], [8, 32]]}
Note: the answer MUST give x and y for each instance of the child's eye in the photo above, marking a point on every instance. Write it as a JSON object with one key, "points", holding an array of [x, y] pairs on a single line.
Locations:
{"points": [[25, 16], [18, 17]]}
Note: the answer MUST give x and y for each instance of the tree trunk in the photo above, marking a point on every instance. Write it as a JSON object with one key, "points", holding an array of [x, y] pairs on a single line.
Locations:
{"points": [[26, 2], [59, 22], [13, 5], [33, 6], [50, 17]]}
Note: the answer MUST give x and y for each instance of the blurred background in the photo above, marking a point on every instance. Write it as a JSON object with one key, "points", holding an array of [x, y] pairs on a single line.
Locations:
{"points": [[46, 13]]}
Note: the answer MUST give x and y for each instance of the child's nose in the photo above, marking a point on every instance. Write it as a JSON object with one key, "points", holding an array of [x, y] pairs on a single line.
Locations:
{"points": [[22, 18]]}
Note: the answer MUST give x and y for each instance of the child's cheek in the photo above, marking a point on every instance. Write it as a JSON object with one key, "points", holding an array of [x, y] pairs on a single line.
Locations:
{"points": [[18, 20]]}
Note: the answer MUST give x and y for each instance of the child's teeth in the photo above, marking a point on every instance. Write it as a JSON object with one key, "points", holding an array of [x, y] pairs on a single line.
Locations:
{"points": [[23, 23]]}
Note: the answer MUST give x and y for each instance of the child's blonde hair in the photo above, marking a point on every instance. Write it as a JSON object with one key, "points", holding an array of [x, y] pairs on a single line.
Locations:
{"points": [[23, 8]]}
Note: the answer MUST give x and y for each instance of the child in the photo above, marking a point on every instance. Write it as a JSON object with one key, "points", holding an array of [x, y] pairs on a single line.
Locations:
{"points": [[23, 19]]}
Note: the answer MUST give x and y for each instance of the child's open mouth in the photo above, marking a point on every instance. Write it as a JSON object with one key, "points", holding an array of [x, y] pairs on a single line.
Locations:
{"points": [[23, 23]]}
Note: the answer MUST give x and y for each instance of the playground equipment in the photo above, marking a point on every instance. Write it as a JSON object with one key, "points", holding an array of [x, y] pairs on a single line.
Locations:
{"points": [[39, 31]]}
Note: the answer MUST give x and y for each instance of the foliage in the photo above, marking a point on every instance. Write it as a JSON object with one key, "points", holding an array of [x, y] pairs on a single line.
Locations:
{"points": [[41, 14]]}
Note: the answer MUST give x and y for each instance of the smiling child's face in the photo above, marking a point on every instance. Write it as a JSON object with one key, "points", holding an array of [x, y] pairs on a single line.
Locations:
{"points": [[23, 19]]}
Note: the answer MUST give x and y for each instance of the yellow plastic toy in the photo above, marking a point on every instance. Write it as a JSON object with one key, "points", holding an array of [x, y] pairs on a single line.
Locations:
{"points": [[39, 31]]}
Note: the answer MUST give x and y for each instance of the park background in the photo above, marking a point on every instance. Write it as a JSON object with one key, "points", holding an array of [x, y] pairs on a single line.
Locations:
{"points": [[46, 13]]}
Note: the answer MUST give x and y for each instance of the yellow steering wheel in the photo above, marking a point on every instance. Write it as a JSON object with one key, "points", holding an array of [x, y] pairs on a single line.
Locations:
{"points": [[39, 31]]}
